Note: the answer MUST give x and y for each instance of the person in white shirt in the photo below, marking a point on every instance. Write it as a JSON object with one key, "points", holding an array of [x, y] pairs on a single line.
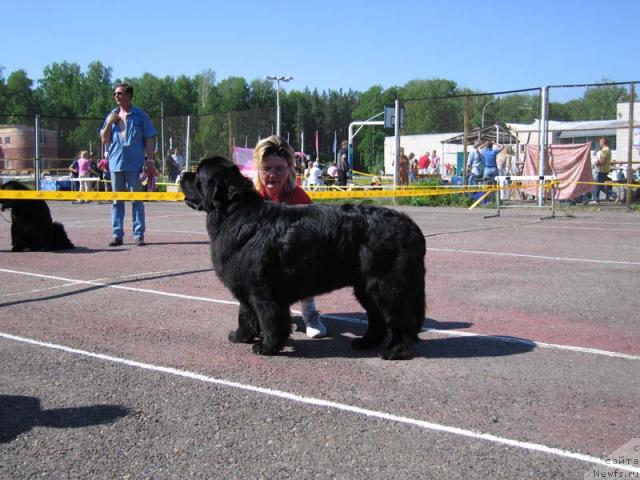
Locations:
{"points": [[315, 175]]}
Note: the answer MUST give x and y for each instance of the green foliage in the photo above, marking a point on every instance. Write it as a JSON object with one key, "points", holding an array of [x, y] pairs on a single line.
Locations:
{"points": [[19, 94], [235, 111], [451, 200]]}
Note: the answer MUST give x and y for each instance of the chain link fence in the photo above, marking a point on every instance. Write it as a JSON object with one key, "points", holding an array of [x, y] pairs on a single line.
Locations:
{"points": [[561, 115], [446, 127], [62, 139]]}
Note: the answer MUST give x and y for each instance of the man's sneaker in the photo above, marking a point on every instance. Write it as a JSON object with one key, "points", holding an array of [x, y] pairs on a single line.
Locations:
{"points": [[116, 242], [140, 242], [315, 326], [594, 202]]}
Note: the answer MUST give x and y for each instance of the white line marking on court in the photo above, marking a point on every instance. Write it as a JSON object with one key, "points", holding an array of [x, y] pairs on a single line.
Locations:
{"points": [[613, 228], [535, 447], [25, 292], [538, 257], [122, 287], [483, 336], [80, 282], [570, 348]]}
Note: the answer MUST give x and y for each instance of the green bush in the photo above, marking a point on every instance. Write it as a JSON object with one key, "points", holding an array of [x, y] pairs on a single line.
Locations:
{"points": [[449, 200]]}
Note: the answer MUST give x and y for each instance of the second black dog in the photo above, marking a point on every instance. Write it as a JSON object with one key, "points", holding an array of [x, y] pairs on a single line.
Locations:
{"points": [[270, 255], [31, 224]]}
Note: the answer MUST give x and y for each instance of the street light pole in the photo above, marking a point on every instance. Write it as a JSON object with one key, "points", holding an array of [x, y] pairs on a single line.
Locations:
{"points": [[490, 101], [278, 79]]}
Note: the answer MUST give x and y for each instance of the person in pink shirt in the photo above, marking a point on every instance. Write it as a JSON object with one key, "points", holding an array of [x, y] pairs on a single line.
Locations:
{"points": [[435, 162], [84, 171]]}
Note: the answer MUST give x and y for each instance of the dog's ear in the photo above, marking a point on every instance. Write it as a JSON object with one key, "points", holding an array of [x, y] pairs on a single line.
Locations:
{"points": [[220, 183], [237, 183], [214, 192]]}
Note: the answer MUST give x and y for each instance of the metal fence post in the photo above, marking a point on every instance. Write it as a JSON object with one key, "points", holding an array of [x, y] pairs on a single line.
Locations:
{"points": [[164, 161], [37, 153], [187, 153], [542, 158], [630, 144], [465, 141], [396, 132]]}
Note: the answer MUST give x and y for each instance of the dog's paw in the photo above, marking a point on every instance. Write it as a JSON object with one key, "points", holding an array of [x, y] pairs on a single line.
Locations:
{"points": [[399, 351], [262, 349], [239, 336]]}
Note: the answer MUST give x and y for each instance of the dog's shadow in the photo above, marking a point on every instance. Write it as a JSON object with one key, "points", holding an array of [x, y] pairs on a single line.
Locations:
{"points": [[19, 414], [341, 333]]}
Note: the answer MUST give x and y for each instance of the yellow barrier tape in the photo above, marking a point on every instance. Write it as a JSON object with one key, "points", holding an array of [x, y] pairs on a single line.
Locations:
{"points": [[477, 202], [54, 195], [343, 193], [179, 196]]}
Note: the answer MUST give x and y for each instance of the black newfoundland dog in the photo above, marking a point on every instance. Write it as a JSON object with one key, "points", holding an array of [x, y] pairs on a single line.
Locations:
{"points": [[31, 224], [270, 255]]}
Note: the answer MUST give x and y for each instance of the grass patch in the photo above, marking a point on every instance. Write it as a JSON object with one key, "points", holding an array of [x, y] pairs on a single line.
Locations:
{"points": [[449, 200]]}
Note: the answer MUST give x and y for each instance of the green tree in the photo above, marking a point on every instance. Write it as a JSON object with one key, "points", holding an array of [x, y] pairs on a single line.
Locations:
{"points": [[206, 91], [4, 101], [600, 103], [427, 110], [234, 94], [369, 143], [19, 94], [61, 92], [97, 90], [262, 94]]}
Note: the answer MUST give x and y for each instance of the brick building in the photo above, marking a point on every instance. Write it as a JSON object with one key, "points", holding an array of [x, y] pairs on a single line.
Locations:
{"points": [[18, 146]]}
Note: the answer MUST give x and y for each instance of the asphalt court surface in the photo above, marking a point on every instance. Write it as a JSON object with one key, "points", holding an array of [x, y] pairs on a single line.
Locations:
{"points": [[115, 363]]}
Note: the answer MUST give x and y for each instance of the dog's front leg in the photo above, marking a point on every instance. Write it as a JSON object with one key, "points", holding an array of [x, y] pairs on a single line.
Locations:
{"points": [[248, 327], [17, 241], [275, 323]]}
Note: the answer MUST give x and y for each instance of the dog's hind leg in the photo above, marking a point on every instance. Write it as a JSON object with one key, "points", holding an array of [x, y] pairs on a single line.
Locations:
{"points": [[376, 330], [275, 324], [406, 324], [248, 327]]}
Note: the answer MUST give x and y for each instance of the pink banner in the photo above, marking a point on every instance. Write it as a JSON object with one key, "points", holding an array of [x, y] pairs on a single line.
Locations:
{"points": [[569, 163], [243, 158]]}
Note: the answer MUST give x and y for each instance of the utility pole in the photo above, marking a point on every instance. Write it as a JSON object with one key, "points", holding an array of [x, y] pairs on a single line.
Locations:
{"points": [[278, 79]]}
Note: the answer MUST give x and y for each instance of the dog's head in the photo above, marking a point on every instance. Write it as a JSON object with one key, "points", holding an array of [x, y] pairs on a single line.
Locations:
{"points": [[216, 184], [6, 203]]}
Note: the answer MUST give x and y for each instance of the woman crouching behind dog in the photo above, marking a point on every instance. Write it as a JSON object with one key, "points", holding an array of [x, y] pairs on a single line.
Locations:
{"points": [[276, 181]]}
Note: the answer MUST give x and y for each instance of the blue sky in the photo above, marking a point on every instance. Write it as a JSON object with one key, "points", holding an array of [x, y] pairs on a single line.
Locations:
{"points": [[490, 45]]}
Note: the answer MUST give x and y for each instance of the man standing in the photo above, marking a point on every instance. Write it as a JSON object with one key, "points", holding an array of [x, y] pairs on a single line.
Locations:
{"points": [[491, 160], [602, 166], [343, 163], [129, 133], [475, 165], [435, 162], [423, 164]]}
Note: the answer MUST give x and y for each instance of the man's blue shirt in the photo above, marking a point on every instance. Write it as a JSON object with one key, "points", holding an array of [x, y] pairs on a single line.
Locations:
{"points": [[127, 154], [490, 158]]}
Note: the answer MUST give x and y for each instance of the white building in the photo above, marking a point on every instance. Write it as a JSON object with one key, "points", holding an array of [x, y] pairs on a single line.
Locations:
{"points": [[616, 130]]}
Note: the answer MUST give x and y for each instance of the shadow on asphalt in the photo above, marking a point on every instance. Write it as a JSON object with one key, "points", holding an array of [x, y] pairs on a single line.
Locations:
{"points": [[80, 249], [19, 414], [98, 287], [338, 342]]}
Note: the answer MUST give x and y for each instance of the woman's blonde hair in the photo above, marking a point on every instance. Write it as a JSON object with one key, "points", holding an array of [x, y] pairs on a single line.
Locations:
{"points": [[278, 146]]}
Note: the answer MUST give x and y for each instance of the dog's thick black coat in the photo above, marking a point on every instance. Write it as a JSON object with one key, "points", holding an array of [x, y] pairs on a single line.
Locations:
{"points": [[31, 224], [270, 255]]}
